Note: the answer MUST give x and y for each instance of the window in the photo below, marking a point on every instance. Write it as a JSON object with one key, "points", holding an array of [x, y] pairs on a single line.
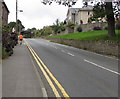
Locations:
{"points": [[88, 13]]}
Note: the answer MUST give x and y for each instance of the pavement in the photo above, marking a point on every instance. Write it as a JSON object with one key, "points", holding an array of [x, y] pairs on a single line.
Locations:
{"points": [[0, 79], [20, 76]]}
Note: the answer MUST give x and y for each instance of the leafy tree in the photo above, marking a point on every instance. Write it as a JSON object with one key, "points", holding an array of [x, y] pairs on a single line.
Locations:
{"points": [[47, 30], [12, 25], [70, 25], [37, 33], [62, 26], [106, 6], [108, 10], [29, 29], [33, 29], [56, 26]]}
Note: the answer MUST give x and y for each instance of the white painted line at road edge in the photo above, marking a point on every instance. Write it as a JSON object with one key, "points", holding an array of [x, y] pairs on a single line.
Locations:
{"points": [[44, 92], [102, 67]]}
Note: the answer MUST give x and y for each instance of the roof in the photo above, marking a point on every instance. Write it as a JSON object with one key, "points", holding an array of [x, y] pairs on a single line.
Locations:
{"points": [[89, 7], [26, 32], [5, 6], [84, 8]]}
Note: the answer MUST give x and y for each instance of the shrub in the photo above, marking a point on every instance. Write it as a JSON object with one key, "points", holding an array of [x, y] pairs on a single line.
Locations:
{"points": [[106, 28], [62, 26], [118, 26], [97, 28], [4, 53], [47, 30], [70, 25], [79, 29]]}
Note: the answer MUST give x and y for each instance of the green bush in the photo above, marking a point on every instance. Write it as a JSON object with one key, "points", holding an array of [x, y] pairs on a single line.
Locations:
{"points": [[79, 29], [70, 25], [4, 53], [47, 30], [118, 26], [106, 28]]}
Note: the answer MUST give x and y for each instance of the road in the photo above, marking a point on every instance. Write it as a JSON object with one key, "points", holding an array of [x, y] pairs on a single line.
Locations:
{"points": [[75, 72]]}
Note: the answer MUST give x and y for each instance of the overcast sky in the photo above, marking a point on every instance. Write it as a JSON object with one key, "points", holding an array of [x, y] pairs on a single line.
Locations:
{"points": [[35, 14]]}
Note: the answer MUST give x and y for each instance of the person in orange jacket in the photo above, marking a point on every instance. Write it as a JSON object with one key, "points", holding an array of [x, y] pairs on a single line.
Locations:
{"points": [[21, 38]]}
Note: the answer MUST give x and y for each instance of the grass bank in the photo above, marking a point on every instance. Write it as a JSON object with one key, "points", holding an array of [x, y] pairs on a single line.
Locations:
{"points": [[90, 35]]}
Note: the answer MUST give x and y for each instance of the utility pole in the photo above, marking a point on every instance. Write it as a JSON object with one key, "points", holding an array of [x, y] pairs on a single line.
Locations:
{"points": [[16, 22], [16, 16]]}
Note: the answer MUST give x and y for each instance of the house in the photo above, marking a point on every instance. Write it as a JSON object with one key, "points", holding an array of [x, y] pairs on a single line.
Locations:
{"points": [[4, 13], [79, 15]]}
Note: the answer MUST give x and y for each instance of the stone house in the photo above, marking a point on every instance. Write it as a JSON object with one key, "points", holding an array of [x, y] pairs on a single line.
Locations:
{"points": [[79, 15], [5, 12]]}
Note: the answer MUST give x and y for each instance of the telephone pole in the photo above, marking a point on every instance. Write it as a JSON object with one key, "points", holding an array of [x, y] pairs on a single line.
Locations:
{"points": [[16, 16]]}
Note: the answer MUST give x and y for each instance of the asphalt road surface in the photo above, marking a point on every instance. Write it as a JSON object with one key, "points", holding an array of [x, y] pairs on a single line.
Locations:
{"points": [[80, 73]]}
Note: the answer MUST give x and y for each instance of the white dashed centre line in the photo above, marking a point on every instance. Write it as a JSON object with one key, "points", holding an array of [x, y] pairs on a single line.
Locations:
{"points": [[63, 51], [67, 53], [71, 54]]}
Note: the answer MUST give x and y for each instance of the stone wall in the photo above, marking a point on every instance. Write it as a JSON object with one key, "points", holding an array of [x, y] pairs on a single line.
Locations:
{"points": [[90, 26], [102, 47], [85, 27]]}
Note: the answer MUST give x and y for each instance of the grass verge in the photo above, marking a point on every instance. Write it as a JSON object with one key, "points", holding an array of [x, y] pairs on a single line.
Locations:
{"points": [[90, 35]]}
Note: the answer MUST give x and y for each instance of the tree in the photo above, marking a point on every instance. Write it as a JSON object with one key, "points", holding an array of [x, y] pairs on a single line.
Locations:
{"points": [[47, 30], [12, 25], [33, 29], [108, 7], [56, 26]]}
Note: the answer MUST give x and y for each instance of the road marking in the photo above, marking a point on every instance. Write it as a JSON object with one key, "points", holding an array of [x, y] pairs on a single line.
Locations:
{"points": [[56, 48], [70, 54], [44, 92], [63, 51], [50, 74], [67, 53], [45, 74], [71, 47], [102, 67]]}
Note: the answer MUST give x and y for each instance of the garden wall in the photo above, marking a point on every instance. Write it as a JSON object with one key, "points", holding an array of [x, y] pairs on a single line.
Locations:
{"points": [[85, 27], [90, 26]]}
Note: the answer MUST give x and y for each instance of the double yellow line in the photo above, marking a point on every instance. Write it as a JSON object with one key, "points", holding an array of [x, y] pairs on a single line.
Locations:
{"points": [[46, 71]]}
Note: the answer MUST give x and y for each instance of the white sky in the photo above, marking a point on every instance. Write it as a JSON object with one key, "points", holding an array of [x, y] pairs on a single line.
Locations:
{"points": [[35, 14]]}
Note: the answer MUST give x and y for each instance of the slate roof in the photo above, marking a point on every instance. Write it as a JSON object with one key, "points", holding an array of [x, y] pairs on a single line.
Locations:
{"points": [[88, 8], [5, 6]]}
